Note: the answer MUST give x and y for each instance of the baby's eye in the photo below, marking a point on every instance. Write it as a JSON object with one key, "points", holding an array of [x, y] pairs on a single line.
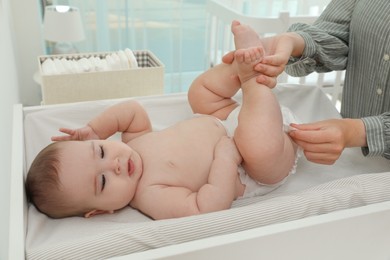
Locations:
{"points": [[103, 182], [101, 151]]}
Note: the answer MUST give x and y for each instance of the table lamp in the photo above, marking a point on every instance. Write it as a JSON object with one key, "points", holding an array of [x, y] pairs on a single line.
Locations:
{"points": [[63, 25]]}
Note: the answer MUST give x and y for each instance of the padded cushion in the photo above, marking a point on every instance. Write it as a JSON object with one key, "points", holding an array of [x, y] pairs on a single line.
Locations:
{"points": [[314, 189]]}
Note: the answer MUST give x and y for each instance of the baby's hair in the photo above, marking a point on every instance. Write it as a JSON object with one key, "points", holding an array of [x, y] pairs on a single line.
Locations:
{"points": [[43, 186]]}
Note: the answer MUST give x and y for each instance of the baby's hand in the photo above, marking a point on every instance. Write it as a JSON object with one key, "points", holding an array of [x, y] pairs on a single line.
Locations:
{"points": [[80, 134], [227, 149]]}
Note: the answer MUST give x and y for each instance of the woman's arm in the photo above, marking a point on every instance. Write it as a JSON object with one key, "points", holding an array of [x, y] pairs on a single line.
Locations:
{"points": [[377, 135], [323, 142], [326, 41], [320, 47]]}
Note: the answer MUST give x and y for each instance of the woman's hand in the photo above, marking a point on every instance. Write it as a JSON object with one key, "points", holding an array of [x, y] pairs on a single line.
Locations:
{"points": [[324, 141], [80, 134], [278, 50], [269, 81]]}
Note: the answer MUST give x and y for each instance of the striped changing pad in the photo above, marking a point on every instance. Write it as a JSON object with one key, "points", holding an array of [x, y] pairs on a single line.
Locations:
{"points": [[107, 236]]}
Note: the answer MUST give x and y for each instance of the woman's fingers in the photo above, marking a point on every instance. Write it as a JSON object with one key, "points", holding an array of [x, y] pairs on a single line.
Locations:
{"points": [[321, 158], [325, 153], [274, 60], [269, 70], [228, 57], [322, 142], [267, 81], [311, 136]]}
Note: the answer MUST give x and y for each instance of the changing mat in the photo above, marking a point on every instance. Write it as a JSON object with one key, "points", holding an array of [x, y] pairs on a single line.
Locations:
{"points": [[315, 189]]}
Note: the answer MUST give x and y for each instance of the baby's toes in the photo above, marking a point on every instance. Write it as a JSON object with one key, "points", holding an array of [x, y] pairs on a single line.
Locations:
{"points": [[239, 55], [252, 55], [259, 52], [248, 56]]}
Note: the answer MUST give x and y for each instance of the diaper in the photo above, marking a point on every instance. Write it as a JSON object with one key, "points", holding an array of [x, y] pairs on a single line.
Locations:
{"points": [[254, 188]]}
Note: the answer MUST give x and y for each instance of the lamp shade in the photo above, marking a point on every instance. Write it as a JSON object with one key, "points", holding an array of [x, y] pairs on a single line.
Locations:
{"points": [[63, 24]]}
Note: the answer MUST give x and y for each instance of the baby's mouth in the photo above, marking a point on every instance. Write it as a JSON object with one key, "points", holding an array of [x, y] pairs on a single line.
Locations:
{"points": [[130, 167]]}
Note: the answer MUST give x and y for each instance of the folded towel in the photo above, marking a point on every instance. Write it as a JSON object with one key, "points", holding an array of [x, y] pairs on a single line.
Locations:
{"points": [[120, 60]]}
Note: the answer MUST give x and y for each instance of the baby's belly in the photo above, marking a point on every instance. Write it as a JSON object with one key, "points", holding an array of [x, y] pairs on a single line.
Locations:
{"points": [[190, 153], [197, 138], [206, 123]]}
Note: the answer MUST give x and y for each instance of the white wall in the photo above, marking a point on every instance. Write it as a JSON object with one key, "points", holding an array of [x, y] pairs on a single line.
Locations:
{"points": [[20, 44], [28, 44], [8, 96]]}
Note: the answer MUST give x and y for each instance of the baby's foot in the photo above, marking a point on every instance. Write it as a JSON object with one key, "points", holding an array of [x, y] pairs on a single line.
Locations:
{"points": [[249, 50], [244, 60], [244, 36]]}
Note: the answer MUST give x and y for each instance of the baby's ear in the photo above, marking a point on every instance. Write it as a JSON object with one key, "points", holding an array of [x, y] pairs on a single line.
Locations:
{"points": [[97, 212]]}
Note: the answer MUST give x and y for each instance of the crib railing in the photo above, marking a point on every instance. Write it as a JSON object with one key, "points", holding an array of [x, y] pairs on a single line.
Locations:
{"points": [[272, 8], [18, 201]]}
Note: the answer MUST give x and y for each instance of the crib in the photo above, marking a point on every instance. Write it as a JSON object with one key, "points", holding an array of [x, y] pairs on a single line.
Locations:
{"points": [[322, 212]]}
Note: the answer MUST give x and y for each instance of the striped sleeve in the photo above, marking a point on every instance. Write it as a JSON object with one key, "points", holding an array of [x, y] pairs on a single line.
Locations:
{"points": [[378, 135], [326, 41]]}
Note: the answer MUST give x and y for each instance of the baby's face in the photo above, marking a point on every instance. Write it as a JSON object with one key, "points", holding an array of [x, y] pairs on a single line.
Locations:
{"points": [[99, 174]]}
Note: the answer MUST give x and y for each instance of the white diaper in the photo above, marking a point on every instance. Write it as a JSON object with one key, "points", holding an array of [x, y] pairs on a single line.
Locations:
{"points": [[254, 188]]}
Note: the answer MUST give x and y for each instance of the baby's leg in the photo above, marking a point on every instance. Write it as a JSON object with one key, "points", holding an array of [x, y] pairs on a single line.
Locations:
{"points": [[211, 93], [268, 153]]}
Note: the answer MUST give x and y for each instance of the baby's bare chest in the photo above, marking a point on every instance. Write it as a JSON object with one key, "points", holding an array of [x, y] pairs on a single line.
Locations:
{"points": [[182, 154]]}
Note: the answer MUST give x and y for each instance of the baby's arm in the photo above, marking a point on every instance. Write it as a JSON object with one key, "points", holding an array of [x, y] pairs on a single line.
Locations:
{"points": [[221, 189], [128, 117], [162, 202]]}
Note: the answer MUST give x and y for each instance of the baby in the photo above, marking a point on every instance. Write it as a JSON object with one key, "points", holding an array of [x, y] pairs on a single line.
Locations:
{"points": [[196, 166]]}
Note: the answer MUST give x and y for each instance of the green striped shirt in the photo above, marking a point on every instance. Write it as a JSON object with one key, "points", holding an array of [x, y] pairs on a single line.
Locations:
{"points": [[354, 35]]}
